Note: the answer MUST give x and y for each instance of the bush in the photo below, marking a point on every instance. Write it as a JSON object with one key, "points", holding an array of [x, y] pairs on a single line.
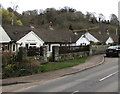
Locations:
{"points": [[8, 58], [50, 58], [9, 71], [96, 43], [12, 68], [21, 54]]}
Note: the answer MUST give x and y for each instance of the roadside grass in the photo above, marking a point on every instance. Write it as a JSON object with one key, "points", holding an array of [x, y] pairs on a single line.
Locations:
{"points": [[51, 66], [29, 67]]}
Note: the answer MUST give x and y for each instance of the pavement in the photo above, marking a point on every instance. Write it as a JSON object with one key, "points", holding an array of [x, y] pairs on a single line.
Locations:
{"points": [[91, 62]]}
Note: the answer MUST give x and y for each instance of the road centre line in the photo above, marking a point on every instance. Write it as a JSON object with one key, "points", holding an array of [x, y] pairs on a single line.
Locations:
{"points": [[75, 91], [108, 76]]}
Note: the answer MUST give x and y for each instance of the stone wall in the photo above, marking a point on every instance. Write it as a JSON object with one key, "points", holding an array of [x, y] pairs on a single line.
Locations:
{"points": [[40, 58], [72, 55], [94, 50], [67, 56], [97, 49], [44, 51]]}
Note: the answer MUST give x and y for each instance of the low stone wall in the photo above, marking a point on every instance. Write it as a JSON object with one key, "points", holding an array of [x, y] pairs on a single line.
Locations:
{"points": [[94, 50], [67, 56], [97, 49], [40, 58], [72, 55]]}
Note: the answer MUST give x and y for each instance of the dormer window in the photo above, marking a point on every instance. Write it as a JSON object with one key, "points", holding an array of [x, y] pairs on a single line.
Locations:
{"points": [[76, 33], [15, 33], [108, 33], [99, 32], [32, 27]]}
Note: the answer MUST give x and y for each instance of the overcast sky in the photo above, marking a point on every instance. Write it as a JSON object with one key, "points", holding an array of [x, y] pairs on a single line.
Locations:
{"points": [[106, 7]]}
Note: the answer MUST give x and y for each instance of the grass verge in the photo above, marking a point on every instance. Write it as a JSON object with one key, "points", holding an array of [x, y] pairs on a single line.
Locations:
{"points": [[62, 64]]}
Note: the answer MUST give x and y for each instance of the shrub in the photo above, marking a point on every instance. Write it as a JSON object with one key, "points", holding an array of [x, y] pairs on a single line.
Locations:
{"points": [[21, 54], [96, 43], [50, 58], [8, 70], [8, 58], [12, 68]]}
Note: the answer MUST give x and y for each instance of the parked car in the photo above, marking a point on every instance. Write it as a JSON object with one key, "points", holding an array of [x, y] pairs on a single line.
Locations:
{"points": [[113, 51]]}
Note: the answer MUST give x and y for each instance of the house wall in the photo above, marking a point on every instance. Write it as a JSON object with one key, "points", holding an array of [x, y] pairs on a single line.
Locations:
{"points": [[109, 41], [4, 38], [31, 39], [0, 47]]}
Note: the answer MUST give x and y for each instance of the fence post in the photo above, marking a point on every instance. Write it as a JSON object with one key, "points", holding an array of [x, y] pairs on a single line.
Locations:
{"points": [[44, 53], [91, 50], [55, 53], [22, 53]]}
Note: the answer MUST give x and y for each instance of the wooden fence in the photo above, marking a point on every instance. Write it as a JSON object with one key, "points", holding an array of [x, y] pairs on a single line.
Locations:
{"points": [[34, 51], [72, 49]]}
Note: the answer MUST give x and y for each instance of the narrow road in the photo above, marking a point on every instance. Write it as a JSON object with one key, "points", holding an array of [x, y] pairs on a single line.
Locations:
{"points": [[103, 78]]}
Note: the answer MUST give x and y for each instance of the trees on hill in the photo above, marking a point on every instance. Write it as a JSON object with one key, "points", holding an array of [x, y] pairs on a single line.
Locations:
{"points": [[113, 19], [63, 18], [7, 17]]}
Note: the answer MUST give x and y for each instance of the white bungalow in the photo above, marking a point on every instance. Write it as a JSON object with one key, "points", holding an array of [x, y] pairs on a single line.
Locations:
{"points": [[4, 39], [109, 41], [20, 36], [29, 37], [30, 40], [85, 39], [82, 41]]}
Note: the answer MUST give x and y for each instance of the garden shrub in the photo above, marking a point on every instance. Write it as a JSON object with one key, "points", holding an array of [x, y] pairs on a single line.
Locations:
{"points": [[8, 58], [12, 67], [96, 43]]}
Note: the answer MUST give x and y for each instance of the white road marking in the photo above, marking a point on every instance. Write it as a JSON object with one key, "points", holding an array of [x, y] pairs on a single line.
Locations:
{"points": [[75, 91], [108, 76]]}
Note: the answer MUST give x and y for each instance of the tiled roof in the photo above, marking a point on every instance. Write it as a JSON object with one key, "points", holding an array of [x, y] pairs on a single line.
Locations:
{"points": [[55, 35], [47, 35], [16, 32]]}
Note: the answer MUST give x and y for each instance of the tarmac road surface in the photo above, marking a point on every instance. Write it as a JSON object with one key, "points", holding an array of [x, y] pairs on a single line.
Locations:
{"points": [[103, 78]]}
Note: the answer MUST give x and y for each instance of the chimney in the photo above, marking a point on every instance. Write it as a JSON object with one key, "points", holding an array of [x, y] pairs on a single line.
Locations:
{"points": [[32, 27], [51, 28]]}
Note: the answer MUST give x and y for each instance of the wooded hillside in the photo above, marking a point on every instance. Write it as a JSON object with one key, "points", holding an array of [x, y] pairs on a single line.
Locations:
{"points": [[64, 18]]}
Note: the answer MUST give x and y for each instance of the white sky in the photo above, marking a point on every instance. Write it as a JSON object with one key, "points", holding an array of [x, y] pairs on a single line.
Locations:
{"points": [[106, 7]]}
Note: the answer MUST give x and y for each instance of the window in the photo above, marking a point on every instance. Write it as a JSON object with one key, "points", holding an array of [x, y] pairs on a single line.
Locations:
{"points": [[13, 47], [34, 44], [49, 47], [6, 47]]}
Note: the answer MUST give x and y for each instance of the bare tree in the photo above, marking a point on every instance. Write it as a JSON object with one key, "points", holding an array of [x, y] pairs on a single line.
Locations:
{"points": [[14, 7], [101, 17], [113, 19]]}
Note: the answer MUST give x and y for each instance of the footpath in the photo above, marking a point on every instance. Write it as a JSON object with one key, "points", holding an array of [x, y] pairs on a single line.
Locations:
{"points": [[91, 62]]}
